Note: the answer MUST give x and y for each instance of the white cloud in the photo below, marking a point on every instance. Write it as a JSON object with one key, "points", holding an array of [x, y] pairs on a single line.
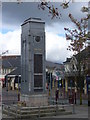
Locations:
{"points": [[56, 48], [11, 41]]}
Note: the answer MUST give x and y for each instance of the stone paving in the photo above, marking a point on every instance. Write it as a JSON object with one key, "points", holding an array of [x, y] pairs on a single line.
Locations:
{"points": [[80, 112]]}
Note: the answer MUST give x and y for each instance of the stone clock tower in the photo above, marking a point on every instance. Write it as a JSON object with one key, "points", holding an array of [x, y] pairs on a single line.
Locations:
{"points": [[33, 76]]}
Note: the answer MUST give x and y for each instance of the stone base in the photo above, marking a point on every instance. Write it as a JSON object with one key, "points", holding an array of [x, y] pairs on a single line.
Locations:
{"points": [[35, 100]]}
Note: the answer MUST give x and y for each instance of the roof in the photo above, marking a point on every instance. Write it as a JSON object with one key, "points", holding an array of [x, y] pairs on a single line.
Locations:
{"points": [[67, 60], [53, 65], [15, 62], [10, 61], [32, 19], [85, 53], [35, 20], [17, 71]]}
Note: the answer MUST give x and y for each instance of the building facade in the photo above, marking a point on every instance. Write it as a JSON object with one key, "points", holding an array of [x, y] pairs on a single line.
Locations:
{"points": [[9, 63], [75, 75]]}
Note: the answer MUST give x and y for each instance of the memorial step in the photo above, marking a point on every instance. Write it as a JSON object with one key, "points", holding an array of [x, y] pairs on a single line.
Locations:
{"points": [[30, 112]]}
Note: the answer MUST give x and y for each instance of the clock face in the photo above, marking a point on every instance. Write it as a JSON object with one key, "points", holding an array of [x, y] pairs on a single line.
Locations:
{"points": [[37, 38]]}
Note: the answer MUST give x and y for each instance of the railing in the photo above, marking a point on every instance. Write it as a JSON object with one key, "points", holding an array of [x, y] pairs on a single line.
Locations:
{"points": [[63, 104], [20, 112]]}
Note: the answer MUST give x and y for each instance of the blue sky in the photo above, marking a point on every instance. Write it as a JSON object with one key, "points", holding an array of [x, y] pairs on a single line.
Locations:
{"points": [[4, 31]]}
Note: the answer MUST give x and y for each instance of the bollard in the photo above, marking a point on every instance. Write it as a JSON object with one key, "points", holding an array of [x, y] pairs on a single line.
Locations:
{"points": [[8, 110], [16, 112], [53, 102], [2, 107], [39, 111], [56, 109], [73, 111], [20, 113]]}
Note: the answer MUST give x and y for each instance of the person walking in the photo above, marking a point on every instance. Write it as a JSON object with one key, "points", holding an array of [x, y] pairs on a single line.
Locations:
{"points": [[57, 95]]}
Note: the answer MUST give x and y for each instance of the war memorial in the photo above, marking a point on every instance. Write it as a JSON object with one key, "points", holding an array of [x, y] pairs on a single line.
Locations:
{"points": [[33, 90]]}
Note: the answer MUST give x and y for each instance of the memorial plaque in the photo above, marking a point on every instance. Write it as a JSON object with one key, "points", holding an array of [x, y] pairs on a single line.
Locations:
{"points": [[38, 81], [38, 63]]}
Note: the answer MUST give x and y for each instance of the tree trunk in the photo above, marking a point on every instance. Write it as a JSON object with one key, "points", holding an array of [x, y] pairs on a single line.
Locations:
{"points": [[79, 75]]}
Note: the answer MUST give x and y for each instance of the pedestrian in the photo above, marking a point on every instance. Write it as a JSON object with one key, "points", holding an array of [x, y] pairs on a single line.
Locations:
{"points": [[57, 95], [73, 98]]}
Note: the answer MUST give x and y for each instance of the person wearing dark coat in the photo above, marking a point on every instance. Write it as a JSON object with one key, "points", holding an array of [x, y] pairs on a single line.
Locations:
{"points": [[57, 95]]}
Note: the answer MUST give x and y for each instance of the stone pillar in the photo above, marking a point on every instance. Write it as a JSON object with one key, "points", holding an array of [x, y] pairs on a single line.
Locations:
{"points": [[33, 68]]}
